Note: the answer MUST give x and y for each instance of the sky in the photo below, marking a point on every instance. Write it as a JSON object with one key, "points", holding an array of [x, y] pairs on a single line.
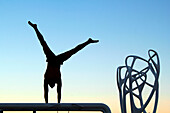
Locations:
{"points": [[123, 28]]}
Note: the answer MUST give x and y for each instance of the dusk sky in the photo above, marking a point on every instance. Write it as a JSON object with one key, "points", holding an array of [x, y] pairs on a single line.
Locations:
{"points": [[127, 27]]}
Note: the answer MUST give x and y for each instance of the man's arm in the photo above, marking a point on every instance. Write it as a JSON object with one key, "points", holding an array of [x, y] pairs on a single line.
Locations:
{"points": [[45, 91]]}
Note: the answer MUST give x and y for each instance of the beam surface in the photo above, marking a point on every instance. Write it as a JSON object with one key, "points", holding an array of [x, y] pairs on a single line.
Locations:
{"points": [[55, 107]]}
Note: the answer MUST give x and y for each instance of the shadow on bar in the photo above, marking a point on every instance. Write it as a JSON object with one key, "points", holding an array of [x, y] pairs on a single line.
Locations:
{"points": [[54, 107]]}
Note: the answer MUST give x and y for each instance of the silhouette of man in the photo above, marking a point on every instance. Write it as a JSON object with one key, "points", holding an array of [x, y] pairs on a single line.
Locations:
{"points": [[53, 74]]}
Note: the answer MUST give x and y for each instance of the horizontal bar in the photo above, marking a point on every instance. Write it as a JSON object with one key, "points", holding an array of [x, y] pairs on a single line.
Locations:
{"points": [[55, 107]]}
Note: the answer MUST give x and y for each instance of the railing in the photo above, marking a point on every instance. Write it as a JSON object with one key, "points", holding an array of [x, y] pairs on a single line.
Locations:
{"points": [[54, 107]]}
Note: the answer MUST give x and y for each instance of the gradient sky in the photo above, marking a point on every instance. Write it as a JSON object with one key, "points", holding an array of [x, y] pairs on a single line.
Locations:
{"points": [[123, 28]]}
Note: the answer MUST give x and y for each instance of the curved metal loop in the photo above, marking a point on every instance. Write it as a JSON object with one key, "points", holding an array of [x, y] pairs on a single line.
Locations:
{"points": [[129, 83]]}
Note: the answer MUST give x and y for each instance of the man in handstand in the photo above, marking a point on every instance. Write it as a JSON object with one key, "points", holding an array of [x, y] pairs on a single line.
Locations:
{"points": [[53, 74]]}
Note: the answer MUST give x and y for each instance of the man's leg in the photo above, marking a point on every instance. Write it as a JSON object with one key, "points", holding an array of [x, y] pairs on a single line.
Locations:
{"points": [[68, 54], [46, 49], [46, 91], [59, 85]]}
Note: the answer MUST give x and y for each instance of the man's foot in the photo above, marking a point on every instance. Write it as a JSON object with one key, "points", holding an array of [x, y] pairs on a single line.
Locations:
{"points": [[31, 24], [93, 41]]}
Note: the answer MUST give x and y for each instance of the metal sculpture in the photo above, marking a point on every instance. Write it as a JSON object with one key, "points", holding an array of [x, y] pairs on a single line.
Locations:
{"points": [[134, 82]]}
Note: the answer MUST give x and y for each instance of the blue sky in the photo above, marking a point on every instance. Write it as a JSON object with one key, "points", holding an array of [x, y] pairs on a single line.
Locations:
{"points": [[123, 28]]}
